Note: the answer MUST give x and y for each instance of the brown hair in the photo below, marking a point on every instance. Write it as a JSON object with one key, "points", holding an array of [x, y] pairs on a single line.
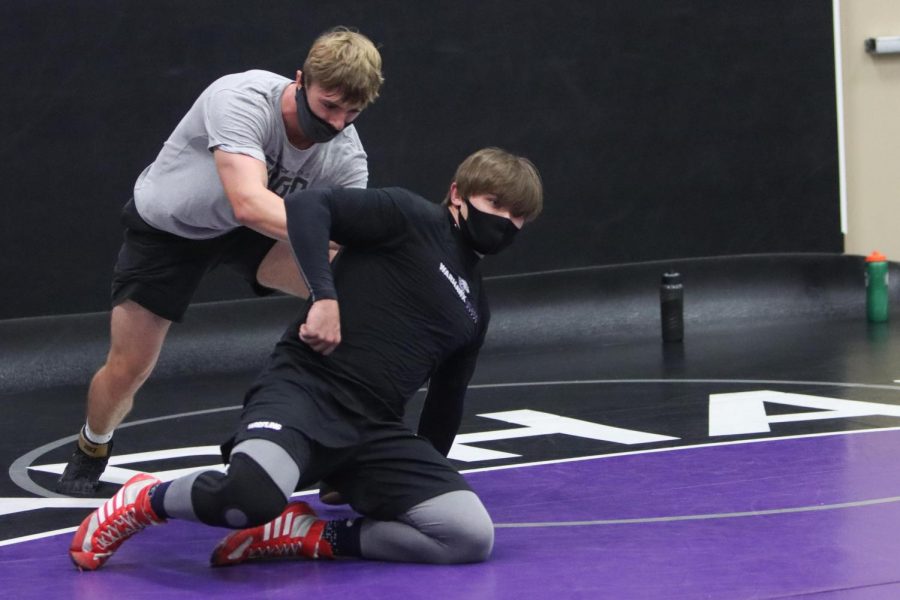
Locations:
{"points": [[514, 180], [345, 60]]}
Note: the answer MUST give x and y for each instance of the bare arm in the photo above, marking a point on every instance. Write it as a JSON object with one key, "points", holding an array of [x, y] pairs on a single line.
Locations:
{"points": [[244, 179]]}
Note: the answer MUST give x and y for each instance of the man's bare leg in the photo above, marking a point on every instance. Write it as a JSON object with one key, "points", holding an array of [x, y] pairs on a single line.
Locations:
{"points": [[136, 338], [279, 271]]}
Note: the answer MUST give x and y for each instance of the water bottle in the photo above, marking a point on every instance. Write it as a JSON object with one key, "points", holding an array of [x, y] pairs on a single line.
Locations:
{"points": [[671, 307], [877, 287]]}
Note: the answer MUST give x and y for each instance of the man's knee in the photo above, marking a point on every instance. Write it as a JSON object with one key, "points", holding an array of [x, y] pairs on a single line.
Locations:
{"points": [[473, 537], [460, 523], [137, 337], [129, 368], [244, 497]]}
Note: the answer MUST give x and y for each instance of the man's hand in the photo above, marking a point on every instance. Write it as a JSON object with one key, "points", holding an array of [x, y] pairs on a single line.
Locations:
{"points": [[322, 330]]}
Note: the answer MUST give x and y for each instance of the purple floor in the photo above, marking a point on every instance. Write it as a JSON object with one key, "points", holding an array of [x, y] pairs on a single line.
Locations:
{"points": [[809, 517]]}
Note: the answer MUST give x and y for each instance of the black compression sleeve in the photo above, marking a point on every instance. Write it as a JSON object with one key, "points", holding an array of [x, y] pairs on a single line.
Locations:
{"points": [[443, 410], [349, 216], [309, 229]]}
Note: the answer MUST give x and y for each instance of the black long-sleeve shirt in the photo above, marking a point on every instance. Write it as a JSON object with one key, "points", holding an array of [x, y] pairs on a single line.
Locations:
{"points": [[411, 305]]}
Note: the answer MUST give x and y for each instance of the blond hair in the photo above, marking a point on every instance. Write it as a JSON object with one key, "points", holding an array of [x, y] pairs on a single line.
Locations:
{"points": [[514, 180], [345, 60]]}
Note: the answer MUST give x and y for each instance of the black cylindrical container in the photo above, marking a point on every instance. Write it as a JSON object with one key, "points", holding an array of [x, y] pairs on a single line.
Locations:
{"points": [[671, 307]]}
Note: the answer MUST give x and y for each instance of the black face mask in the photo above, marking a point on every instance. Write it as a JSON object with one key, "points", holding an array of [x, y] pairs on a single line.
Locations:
{"points": [[486, 233], [315, 129]]}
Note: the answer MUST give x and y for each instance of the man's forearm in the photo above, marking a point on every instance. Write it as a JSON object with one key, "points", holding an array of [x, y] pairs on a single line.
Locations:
{"points": [[308, 218], [262, 211]]}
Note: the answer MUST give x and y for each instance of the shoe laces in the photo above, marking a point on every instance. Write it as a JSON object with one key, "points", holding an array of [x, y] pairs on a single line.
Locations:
{"points": [[287, 548], [124, 525]]}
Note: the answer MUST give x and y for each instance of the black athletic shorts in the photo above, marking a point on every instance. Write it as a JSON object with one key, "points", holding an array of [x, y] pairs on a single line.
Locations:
{"points": [[161, 271], [385, 473]]}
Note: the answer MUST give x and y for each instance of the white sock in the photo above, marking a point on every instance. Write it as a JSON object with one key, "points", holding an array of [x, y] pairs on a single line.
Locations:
{"points": [[97, 438]]}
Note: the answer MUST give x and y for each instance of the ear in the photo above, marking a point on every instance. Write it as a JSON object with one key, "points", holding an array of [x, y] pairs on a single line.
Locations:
{"points": [[455, 199], [299, 80]]}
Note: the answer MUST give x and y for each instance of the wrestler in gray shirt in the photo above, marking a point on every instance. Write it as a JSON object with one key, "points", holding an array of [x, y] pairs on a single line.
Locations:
{"points": [[214, 197]]}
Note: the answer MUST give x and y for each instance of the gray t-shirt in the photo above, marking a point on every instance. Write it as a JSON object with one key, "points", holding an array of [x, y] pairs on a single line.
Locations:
{"points": [[181, 193]]}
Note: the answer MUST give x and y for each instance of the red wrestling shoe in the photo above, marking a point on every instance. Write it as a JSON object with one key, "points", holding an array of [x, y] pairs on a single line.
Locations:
{"points": [[297, 532], [120, 517]]}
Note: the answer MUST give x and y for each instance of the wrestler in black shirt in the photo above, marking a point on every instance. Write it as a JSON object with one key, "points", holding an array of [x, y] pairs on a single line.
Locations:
{"points": [[402, 305], [411, 307]]}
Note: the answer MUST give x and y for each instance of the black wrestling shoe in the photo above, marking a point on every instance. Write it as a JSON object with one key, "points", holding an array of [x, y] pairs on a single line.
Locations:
{"points": [[86, 465]]}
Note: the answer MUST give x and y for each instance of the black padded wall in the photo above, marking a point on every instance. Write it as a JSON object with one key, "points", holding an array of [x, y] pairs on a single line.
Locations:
{"points": [[662, 129]]}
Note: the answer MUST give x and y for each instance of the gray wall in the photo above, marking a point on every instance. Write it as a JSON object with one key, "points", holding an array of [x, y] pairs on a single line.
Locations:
{"points": [[662, 129]]}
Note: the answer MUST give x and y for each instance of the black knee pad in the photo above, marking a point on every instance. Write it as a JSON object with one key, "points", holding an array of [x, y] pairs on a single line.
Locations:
{"points": [[244, 497]]}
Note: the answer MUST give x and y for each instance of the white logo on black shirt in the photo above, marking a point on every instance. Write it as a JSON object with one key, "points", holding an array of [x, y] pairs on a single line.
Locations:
{"points": [[462, 290], [265, 425]]}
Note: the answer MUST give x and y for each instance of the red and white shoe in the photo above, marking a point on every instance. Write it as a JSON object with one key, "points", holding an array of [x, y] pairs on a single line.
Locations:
{"points": [[296, 532], [120, 517]]}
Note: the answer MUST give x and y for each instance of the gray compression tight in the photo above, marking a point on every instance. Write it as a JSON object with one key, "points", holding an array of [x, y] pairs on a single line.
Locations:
{"points": [[450, 528]]}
